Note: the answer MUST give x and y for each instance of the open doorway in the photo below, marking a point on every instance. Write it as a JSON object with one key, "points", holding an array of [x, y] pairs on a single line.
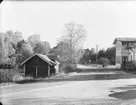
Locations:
{"points": [[124, 59]]}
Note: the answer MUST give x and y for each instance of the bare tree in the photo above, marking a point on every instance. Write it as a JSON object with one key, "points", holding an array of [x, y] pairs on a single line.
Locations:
{"points": [[74, 34]]}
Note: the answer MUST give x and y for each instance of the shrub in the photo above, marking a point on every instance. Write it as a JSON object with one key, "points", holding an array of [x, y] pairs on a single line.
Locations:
{"points": [[17, 77], [9, 75], [103, 61], [67, 68], [129, 65]]}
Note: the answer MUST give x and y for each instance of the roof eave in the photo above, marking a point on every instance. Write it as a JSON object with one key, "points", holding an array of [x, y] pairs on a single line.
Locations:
{"points": [[51, 63], [28, 59], [115, 41]]}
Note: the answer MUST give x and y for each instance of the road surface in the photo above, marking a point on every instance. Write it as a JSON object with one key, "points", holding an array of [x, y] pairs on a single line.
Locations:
{"points": [[70, 92]]}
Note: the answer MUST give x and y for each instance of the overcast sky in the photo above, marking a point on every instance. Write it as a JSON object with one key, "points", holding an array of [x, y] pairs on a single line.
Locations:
{"points": [[103, 20]]}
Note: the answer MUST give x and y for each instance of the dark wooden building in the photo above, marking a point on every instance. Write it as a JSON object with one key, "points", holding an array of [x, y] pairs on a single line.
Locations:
{"points": [[39, 65]]}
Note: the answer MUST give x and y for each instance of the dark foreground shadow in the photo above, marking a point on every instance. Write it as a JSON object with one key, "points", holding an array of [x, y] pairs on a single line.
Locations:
{"points": [[1, 103], [118, 75], [129, 94], [99, 70], [126, 95]]}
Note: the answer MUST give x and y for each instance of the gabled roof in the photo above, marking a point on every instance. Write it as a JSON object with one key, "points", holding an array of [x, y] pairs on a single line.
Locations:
{"points": [[43, 57], [124, 39]]}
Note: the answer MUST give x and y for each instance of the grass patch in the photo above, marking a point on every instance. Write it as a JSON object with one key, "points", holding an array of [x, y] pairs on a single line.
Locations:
{"points": [[12, 76], [9, 75]]}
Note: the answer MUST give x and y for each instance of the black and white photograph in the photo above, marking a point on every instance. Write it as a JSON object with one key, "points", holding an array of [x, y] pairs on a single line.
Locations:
{"points": [[68, 52]]}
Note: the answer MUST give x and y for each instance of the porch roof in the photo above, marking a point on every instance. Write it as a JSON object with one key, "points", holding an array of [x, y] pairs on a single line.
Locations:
{"points": [[124, 39]]}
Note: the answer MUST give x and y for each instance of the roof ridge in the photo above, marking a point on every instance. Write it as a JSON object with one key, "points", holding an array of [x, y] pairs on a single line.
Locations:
{"points": [[47, 59]]}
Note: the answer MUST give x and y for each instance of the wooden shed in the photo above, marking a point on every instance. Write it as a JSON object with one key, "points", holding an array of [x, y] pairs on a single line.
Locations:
{"points": [[39, 65]]}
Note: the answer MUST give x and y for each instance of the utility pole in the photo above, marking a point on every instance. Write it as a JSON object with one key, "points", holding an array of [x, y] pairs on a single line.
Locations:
{"points": [[96, 53]]}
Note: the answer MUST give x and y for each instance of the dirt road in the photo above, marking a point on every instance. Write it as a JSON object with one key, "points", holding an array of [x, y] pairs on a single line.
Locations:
{"points": [[72, 92]]}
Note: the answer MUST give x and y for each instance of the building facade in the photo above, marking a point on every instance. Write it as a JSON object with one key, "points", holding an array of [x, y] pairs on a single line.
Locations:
{"points": [[125, 50], [39, 65]]}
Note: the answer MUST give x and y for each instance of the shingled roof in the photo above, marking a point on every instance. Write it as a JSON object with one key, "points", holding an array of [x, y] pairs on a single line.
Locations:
{"points": [[125, 39], [43, 57]]}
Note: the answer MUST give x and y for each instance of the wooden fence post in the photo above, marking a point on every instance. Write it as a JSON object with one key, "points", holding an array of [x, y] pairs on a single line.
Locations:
{"points": [[36, 71], [48, 70], [24, 70]]}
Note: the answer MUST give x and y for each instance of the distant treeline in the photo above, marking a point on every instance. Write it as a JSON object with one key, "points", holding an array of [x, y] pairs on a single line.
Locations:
{"points": [[90, 56]]}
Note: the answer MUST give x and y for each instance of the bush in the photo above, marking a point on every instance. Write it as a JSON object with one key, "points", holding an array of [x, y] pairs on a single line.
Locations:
{"points": [[67, 68], [17, 78], [129, 65], [103, 61], [26, 79], [9, 75]]}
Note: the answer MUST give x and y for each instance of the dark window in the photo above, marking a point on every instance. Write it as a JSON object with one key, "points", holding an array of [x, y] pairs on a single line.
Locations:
{"points": [[124, 43], [124, 59]]}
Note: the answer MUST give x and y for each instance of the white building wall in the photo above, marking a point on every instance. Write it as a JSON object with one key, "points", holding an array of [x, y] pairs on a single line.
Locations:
{"points": [[118, 55]]}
